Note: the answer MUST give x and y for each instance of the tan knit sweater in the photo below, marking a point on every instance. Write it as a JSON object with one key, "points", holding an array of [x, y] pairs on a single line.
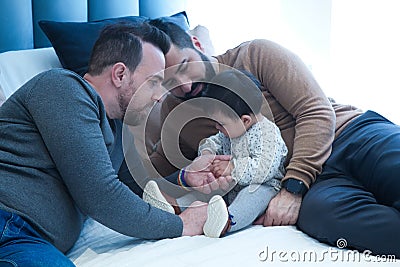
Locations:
{"points": [[307, 119]]}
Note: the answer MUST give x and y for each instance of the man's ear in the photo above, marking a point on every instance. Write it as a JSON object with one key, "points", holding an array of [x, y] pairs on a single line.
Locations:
{"points": [[118, 72], [197, 44], [246, 120]]}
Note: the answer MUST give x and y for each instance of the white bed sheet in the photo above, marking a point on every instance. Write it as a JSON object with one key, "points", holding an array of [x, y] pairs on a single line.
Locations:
{"points": [[285, 245]]}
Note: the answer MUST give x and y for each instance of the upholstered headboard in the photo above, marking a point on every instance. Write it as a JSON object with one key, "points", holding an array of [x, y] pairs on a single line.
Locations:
{"points": [[19, 27], [17, 67]]}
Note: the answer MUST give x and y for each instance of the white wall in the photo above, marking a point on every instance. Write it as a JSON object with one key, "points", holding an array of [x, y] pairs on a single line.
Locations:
{"points": [[302, 26], [231, 22], [365, 55], [350, 45]]}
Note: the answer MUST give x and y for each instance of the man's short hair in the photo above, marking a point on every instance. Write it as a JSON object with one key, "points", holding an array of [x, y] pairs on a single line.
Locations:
{"points": [[179, 37], [122, 42]]}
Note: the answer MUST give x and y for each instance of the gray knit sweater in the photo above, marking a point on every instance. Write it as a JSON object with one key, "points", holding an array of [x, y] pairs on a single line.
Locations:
{"points": [[56, 168]]}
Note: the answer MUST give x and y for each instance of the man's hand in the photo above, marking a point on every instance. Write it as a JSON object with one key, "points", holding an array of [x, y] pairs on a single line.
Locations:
{"points": [[204, 162], [282, 210], [194, 218], [199, 174]]}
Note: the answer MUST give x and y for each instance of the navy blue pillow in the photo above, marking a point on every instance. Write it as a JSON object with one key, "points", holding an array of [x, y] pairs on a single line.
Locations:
{"points": [[73, 41]]}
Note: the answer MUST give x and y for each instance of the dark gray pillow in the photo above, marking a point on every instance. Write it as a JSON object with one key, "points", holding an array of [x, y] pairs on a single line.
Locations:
{"points": [[73, 41]]}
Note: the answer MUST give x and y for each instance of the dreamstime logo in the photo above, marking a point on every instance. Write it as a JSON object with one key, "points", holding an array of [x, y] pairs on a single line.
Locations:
{"points": [[172, 126], [341, 243], [339, 254]]}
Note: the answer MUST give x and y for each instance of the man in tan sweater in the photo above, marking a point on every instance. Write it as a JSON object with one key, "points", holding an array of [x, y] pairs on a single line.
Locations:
{"points": [[351, 158]]}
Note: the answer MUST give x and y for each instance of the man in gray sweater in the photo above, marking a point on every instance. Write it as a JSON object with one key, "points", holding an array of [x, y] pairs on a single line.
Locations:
{"points": [[61, 149]]}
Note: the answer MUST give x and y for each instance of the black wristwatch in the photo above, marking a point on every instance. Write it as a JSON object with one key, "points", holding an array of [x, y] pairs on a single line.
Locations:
{"points": [[295, 186]]}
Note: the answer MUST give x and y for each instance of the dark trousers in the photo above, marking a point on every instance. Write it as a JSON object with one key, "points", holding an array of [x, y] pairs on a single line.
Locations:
{"points": [[357, 195]]}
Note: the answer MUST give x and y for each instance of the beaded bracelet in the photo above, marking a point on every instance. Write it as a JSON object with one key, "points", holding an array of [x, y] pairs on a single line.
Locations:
{"points": [[181, 180]]}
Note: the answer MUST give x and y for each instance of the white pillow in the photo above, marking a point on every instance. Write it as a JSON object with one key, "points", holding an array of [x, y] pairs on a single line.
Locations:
{"points": [[2, 97], [203, 35], [17, 67]]}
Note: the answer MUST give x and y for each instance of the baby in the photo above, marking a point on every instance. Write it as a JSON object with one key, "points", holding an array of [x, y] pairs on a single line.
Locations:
{"points": [[255, 144]]}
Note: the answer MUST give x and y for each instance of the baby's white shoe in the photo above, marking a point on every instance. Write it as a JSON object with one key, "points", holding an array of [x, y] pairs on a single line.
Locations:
{"points": [[217, 223], [153, 196]]}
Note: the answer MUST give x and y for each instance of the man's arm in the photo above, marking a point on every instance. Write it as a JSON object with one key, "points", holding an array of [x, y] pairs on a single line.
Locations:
{"points": [[211, 145], [73, 124], [295, 100], [294, 93]]}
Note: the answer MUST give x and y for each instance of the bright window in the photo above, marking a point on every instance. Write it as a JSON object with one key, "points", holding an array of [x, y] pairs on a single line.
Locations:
{"points": [[350, 45], [365, 55]]}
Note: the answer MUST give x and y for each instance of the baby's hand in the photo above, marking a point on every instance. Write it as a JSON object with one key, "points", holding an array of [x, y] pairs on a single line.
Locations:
{"points": [[222, 168]]}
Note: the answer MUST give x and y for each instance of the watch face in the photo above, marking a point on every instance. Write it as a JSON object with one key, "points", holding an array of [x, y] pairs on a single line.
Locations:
{"points": [[295, 186]]}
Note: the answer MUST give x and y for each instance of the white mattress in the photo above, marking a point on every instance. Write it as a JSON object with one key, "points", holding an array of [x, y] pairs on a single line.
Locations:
{"points": [[285, 246]]}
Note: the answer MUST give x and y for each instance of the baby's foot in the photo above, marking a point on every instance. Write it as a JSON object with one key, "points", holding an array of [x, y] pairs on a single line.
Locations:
{"points": [[153, 196], [217, 223]]}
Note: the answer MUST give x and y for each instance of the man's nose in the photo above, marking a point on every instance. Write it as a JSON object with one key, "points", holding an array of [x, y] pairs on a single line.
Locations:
{"points": [[184, 83], [186, 87], [159, 94]]}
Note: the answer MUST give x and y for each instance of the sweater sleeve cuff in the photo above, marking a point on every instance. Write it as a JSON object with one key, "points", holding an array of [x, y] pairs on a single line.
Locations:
{"points": [[173, 226], [299, 176], [173, 178]]}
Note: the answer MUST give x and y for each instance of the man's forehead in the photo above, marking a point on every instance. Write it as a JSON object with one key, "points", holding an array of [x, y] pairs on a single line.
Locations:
{"points": [[185, 68], [153, 59], [176, 54]]}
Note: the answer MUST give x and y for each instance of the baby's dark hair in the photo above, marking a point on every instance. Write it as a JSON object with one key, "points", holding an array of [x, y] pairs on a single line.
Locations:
{"points": [[239, 90]]}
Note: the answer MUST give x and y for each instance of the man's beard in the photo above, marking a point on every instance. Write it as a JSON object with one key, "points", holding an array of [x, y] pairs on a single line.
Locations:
{"points": [[123, 105], [136, 117], [209, 73]]}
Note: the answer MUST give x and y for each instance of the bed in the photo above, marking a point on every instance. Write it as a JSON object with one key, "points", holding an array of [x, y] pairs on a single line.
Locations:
{"points": [[254, 246]]}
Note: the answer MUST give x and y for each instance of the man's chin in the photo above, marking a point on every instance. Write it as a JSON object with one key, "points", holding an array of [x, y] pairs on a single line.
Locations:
{"points": [[133, 118], [177, 93], [195, 92]]}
